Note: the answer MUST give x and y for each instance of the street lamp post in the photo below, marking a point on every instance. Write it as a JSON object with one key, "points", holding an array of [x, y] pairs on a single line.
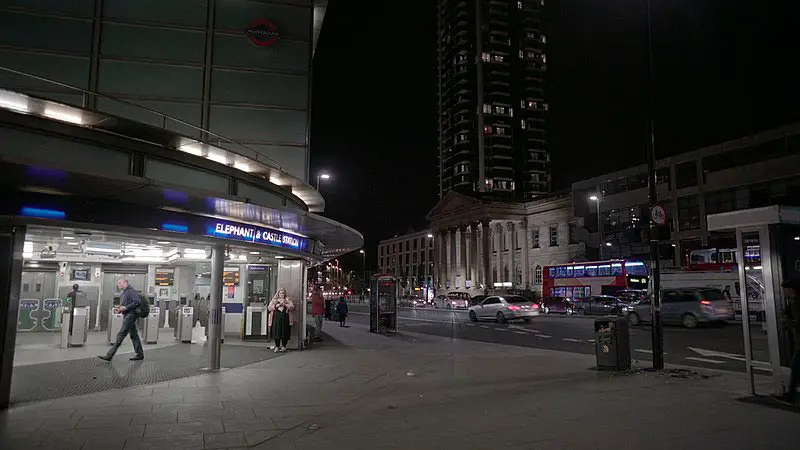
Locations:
{"points": [[655, 301], [596, 199], [363, 269], [322, 176]]}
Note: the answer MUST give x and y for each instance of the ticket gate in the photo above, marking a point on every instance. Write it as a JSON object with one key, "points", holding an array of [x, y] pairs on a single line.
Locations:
{"points": [[115, 319], [51, 320], [256, 318], [74, 326], [150, 326], [183, 327]]}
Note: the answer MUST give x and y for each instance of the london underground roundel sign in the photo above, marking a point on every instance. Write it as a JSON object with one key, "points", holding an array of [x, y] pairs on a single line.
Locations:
{"points": [[658, 215], [262, 32]]}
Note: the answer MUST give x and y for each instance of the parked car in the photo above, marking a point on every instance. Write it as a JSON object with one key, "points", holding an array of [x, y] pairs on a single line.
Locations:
{"points": [[558, 305], [504, 308], [688, 307], [600, 305]]}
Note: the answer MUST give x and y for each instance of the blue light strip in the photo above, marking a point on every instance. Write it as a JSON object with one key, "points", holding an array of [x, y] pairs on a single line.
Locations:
{"points": [[42, 213], [175, 227]]}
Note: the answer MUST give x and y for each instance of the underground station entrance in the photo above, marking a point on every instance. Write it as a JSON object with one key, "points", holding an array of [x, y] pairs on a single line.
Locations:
{"points": [[768, 245], [67, 294]]}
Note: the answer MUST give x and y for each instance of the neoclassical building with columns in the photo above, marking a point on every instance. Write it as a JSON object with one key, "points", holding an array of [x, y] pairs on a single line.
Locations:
{"points": [[484, 245]]}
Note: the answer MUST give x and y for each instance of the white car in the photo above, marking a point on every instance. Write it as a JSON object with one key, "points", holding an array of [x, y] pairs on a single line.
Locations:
{"points": [[504, 308]]}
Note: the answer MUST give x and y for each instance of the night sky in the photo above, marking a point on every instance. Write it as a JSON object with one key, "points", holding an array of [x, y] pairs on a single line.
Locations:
{"points": [[723, 69]]}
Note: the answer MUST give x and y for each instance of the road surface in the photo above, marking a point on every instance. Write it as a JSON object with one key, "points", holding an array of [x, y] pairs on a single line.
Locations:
{"points": [[718, 347]]}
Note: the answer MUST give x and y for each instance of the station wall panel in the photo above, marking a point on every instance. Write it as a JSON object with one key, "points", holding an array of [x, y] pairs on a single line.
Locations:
{"points": [[259, 125], [228, 86], [188, 112], [46, 33], [185, 176], [63, 153], [179, 12], [292, 22], [135, 79], [259, 196], [136, 41], [292, 159], [237, 51]]}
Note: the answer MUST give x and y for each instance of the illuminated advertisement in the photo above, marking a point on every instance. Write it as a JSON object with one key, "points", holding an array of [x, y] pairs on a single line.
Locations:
{"points": [[258, 235]]}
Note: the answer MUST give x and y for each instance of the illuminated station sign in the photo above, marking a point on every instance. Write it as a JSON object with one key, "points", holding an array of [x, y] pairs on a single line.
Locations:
{"points": [[257, 235]]}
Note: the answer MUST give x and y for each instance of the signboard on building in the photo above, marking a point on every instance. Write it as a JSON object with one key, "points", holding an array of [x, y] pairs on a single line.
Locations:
{"points": [[257, 235], [230, 277], [262, 33]]}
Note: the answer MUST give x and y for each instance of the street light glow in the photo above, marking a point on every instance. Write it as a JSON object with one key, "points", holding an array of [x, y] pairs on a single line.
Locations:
{"points": [[324, 176], [594, 198], [430, 236], [361, 251], [608, 244]]}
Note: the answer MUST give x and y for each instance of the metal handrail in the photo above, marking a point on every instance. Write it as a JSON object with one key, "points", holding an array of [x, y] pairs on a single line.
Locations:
{"points": [[204, 133]]}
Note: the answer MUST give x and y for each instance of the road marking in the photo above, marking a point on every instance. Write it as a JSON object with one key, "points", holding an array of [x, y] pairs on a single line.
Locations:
{"points": [[501, 329], [470, 324], [642, 350], [520, 332], [484, 326], [543, 336], [571, 340], [712, 361], [716, 354], [591, 341]]}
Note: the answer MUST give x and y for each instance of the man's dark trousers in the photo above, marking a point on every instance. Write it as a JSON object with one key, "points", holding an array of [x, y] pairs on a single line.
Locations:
{"points": [[128, 326]]}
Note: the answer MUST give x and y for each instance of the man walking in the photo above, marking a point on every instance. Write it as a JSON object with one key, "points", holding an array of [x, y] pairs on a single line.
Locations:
{"points": [[318, 311], [129, 303], [792, 322]]}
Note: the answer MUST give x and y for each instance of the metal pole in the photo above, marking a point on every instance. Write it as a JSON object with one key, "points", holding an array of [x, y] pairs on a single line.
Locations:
{"points": [[600, 239], [658, 327], [363, 271], [215, 306], [317, 183]]}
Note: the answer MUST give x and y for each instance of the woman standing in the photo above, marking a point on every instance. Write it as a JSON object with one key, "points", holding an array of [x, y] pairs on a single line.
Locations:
{"points": [[341, 308], [281, 318]]}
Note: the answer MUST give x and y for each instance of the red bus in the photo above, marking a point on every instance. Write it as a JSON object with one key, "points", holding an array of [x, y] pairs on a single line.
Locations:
{"points": [[580, 280]]}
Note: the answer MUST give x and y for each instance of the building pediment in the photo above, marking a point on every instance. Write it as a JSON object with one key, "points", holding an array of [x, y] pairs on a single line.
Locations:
{"points": [[452, 203]]}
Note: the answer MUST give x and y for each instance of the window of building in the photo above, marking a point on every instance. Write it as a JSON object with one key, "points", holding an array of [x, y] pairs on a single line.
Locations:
{"points": [[685, 175], [487, 108], [519, 5], [498, 58], [522, 123], [501, 131], [688, 213], [461, 137], [414, 243], [500, 109], [544, 39], [521, 54], [553, 235], [572, 232], [461, 168], [537, 275], [486, 57], [487, 129], [535, 238]]}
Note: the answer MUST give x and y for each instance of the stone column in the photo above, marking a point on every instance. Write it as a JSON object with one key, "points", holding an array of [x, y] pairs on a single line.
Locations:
{"points": [[498, 260], [512, 250], [526, 249], [453, 261], [463, 267], [487, 252], [442, 238], [473, 254]]}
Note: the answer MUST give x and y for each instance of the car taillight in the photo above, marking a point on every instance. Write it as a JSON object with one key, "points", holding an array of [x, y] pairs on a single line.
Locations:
{"points": [[514, 308], [534, 306], [705, 302]]}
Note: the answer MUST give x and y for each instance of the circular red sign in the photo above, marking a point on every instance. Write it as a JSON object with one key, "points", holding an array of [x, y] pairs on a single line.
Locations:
{"points": [[262, 32]]}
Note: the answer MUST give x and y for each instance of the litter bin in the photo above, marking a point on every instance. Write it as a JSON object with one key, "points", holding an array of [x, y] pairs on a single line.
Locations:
{"points": [[612, 343]]}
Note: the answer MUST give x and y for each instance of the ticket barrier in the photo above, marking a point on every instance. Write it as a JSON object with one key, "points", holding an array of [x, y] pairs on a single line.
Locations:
{"points": [[78, 317], [150, 326], [115, 319], [256, 318], [183, 328]]}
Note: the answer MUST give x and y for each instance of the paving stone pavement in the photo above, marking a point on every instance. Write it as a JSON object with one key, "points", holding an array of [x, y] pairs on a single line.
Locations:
{"points": [[411, 391]]}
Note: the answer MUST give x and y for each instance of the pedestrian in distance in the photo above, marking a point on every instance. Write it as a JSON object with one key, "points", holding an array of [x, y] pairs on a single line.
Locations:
{"points": [[318, 312], [129, 303], [341, 310], [791, 316]]}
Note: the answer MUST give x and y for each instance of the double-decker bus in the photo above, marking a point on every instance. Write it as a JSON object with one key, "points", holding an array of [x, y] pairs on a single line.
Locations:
{"points": [[580, 280]]}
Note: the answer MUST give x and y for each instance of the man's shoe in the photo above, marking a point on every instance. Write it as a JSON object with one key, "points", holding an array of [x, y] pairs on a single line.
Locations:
{"points": [[137, 358], [104, 357]]}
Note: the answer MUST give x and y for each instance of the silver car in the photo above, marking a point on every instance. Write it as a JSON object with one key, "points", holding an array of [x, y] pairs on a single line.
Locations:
{"points": [[503, 309], [687, 306]]}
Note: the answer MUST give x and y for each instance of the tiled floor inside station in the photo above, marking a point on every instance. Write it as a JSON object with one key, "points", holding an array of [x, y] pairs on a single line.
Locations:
{"points": [[43, 370]]}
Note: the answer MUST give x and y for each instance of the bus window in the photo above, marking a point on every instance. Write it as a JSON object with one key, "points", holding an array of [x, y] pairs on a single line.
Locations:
{"points": [[562, 272], [552, 272], [635, 268], [604, 270], [578, 271], [569, 272], [591, 271], [616, 269]]}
